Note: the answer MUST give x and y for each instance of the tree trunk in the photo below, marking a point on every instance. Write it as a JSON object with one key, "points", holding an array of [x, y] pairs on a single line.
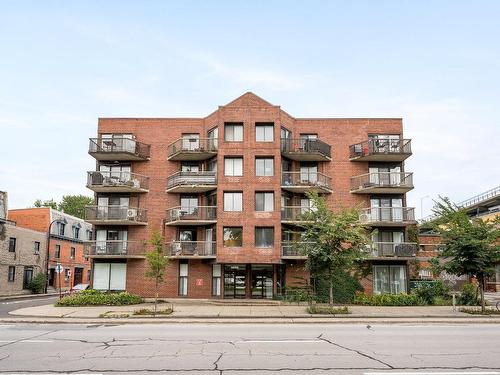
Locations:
{"points": [[330, 289], [156, 296]]}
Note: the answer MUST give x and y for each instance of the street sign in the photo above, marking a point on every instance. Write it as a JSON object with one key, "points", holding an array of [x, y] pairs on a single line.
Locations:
{"points": [[59, 268]]}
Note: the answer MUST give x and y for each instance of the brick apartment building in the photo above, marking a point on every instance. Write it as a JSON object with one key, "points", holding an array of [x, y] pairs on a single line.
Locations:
{"points": [[22, 254], [67, 234], [226, 191]]}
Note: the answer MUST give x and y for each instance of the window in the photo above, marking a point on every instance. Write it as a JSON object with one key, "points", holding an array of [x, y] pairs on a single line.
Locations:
{"points": [[183, 279], [12, 244], [187, 166], [60, 228], [37, 248], [89, 235], [212, 165], [67, 273], [233, 166], [233, 201], [264, 166], [189, 204], [72, 253], [264, 237], [389, 279], [213, 134], [233, 132], [264, 132], [57, 253], [190, 142], [233, 236], [264, 201], [76, 232], [12, 274], [216, 279]]}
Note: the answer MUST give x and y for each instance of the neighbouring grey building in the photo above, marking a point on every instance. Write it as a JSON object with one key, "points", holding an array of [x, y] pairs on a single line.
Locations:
{"points": [[23, 254]]}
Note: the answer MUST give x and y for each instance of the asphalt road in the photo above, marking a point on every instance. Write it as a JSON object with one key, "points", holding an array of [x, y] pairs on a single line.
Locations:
{"points": [[250, 348], [19, 303]]}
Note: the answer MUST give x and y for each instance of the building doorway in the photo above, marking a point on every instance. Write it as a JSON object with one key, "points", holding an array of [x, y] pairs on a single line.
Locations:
{"points": [[28, 275], [235, 281], [78, 276], [262, 281]]}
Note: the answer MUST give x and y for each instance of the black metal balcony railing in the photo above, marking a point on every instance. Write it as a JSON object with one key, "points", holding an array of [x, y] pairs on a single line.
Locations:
{"points": [[306, 180], [293, 249], [387, 215], [206, 178], [382, 180], [204, 147], [124, 214], [393, 249], [118, 180], [306, 147], [121, 145], [192, 214], [380, 146], [294, 213], [191, 248], [115, 248]]}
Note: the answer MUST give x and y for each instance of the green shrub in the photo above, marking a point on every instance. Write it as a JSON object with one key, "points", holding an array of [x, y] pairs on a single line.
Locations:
{"points": [[431, 291], [333, 310], [468, 295], [388, 300], [37, 283], [297, 294], [345, 288], [477, 311], [166, 311], [98, 298]]}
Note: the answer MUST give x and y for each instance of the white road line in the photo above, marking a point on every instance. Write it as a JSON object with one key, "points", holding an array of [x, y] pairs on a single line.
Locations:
{"points": [[30, 341], [436, 373], [278, 341]]}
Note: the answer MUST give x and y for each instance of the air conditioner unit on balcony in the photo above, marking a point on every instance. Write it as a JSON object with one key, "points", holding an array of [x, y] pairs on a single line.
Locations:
{"points": [[364, 218], [131, 214]]}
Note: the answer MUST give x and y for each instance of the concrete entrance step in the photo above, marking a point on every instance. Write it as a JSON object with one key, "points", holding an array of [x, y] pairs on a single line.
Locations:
{"points": [[244, 302]]}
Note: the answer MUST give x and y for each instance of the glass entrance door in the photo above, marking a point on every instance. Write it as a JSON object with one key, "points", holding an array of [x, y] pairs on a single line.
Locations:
{"points": [[262, 281], [235, 281]]}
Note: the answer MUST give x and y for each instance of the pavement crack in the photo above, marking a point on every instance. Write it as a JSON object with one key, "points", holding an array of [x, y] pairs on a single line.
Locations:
{"points": [[320, 337], [216, 363]]}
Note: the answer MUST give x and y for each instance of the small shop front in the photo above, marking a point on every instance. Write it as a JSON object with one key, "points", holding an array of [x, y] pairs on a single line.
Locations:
{"points": [[259, 281]]}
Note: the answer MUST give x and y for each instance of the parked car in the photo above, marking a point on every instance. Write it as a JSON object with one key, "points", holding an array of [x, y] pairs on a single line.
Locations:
{"points": [[78, 288]]}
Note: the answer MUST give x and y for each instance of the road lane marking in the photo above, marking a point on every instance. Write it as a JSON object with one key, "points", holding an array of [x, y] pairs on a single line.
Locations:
{"points": [[436, 373]]}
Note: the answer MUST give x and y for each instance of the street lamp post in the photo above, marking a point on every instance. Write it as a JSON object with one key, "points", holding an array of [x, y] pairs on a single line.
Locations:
{"points": [[48, 249], [422, 206]]}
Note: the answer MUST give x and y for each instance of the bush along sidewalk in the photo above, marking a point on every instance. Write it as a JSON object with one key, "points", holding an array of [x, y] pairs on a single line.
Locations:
{"points": [[326, 309], [389, 300], [98, 298]]}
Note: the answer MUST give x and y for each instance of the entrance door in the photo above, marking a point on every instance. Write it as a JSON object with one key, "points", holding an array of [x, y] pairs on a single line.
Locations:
{"points": [[52, 276], [235, 281], [28, 275], [262, 281], [78, 276]]}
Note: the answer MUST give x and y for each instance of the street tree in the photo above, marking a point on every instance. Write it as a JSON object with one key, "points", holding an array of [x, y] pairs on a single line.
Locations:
{"points": [[46, 203], [157, 262], [471, 245], [334, 242], [75, 204]]}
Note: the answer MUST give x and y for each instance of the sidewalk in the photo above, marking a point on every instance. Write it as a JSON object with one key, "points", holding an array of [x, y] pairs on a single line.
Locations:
{"points": [[206, 311]]}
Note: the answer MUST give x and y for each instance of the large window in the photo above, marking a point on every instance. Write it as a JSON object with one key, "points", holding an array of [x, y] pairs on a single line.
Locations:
{"points": [[216, 279], [12, 244], [72, 253], [233, 166], [389, 279], [264, 166], [233, 236], [110, 276], [264, 132], [61, 228], [264, 237], [37, 248], [76, 232], [12, 274], [183, 279], [264, 201], [189, 204], [233, 132], [233, 201], [190, 142]]}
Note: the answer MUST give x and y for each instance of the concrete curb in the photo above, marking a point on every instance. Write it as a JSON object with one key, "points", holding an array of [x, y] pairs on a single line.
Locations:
{"points": [[28, 296]]}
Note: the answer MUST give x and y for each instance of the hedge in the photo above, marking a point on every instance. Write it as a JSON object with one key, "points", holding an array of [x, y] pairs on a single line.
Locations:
{"points": [[98, 298]]}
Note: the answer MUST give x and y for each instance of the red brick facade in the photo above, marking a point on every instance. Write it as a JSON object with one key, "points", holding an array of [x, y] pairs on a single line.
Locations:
{"points": [[249, 110]]}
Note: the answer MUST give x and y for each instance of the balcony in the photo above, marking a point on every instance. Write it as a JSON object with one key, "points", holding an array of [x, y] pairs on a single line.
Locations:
{"points": [[305, 149], [116, 215], [191, 249], [117, 182], [388, 216], [294, 214], [198, 215], [381, 150], [192, 149], [292, 250], [301, 182], [395, 250], [115, 249], [119, 148], [382, 182], [192, 182]]}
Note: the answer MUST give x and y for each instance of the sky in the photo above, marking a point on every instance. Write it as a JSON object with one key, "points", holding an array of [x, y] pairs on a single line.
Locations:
{"points": [[64, 64]]}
